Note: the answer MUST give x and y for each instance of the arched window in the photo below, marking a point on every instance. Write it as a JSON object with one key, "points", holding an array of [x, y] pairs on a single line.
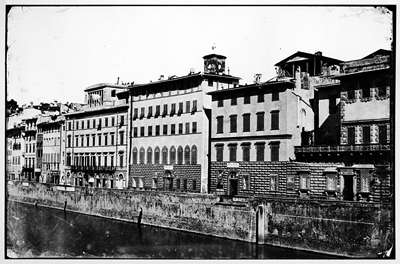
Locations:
{"points": [[194, 155], [157, 155], [180, 155], [165, 155], [187, 155], [172, 155], [149, 155], [141, 155], [134, 155]]}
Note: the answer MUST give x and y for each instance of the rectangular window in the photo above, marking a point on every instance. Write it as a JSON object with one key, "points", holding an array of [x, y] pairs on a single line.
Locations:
{"points": [[275, 96], [274, 152], [260, 98], [141, 113], [112, 139], [246, 181], [187, 106], [165, 111], [331, 181], [210, 82], [185, 184], [180, 110], [274, 182], [351, 95], [234, 101], [121, 161], [180, 128], [69, 141], [220, 103], [83, 125], [106, 122], [274, 120], [99, 138], [76, 141], [99, 125], [157, 113], [194, 107], [187, 128], [69, 126], [260, 121], [142, 131], [149, 131], [366, 91], [246, 152], [77, 125], [157, 130], [135, 132], [194, 183], [246, 122], [87, 140], [172, 129], [172, 110], [220, 124], [150, 112], [366, 134], [382, 90], [260, 148], [304, 181], [178, 184], [93, 140], [194, 127], [105, 139], [105, 160], [94, 123], [88, 124], [220, 153], [135, 114], [233, 123], [365, 181], [165, 130], [246, 99], [351, 136], [383, 134], [232, 152], [122, 121], [112, 121], [290, 182]]}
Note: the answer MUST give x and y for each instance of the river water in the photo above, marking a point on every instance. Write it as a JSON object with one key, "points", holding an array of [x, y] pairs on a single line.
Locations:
{"points": [[39, 232]]}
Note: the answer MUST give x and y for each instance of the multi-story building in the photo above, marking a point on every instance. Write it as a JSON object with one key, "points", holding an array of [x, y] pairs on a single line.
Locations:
{"points": [[50, 148], [357, 129], [96, 139], [16, 155], [169, 124], [262, 122], [30, 150]]}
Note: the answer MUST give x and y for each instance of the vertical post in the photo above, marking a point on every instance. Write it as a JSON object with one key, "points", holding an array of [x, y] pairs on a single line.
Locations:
{"points": [[260, 225]]}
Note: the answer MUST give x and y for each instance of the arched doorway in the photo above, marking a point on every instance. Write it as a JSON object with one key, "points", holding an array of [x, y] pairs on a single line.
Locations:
{"points": [[168, 181], [120, 181]]}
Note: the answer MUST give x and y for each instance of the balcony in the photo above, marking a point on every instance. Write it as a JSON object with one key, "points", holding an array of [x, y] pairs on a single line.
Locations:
{"points": [[76, 168], [342, 148]]}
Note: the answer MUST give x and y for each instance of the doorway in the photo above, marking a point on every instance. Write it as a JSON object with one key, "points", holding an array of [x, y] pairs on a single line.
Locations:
{"points": [[233, 187], [167, 184], [348, 193]]}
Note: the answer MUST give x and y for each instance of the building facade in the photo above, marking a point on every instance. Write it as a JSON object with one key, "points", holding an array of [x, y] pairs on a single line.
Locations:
{"points": [[360, 132], [262, 123], [96, 139], [169, 129], [30, 150], [50, 148]]}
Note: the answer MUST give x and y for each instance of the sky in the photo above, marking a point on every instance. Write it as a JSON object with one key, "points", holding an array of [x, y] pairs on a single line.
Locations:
{"points": [[54, 53]]}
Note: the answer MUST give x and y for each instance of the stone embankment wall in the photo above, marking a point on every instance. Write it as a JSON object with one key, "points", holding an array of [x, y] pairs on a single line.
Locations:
{"points": [[341, 228]]}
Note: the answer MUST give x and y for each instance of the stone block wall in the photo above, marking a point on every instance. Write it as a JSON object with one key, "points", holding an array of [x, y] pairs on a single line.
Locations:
{"points": [[354, 229]]}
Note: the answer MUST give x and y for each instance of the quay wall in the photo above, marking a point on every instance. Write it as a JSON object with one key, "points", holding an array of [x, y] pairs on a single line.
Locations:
{"points": [[348, 229]]}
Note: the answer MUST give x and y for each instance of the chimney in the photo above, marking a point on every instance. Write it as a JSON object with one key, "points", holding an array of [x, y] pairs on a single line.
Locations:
{"points": [[117, 80], [161, 78], [318, 53]]}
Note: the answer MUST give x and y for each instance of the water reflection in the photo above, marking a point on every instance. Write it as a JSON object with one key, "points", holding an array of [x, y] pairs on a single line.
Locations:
{"points": [[42, 232]]}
